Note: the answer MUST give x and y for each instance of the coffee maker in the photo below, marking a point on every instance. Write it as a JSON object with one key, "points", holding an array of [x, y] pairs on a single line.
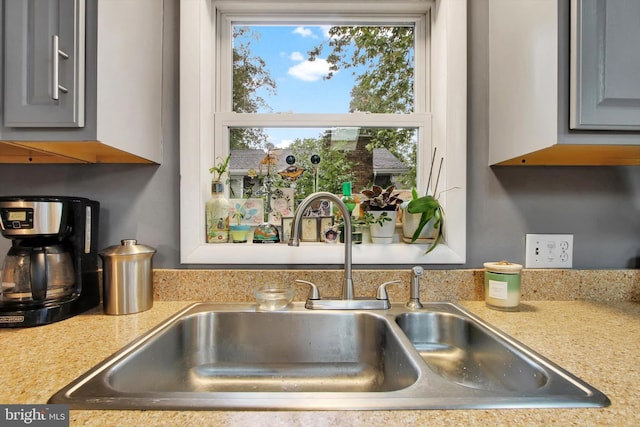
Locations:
{"points": [[51, 270]]}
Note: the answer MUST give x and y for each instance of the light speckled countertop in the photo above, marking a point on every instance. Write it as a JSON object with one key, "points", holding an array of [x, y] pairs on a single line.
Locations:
{"points": [[598, 342], [588, 322]]}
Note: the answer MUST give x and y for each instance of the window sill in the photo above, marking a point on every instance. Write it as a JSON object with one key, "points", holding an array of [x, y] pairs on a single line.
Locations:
{"points": [[311, 253]]}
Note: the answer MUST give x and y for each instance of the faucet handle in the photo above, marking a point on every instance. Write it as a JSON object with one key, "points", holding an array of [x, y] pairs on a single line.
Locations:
{"points": [[314, 293], [382, 290]]}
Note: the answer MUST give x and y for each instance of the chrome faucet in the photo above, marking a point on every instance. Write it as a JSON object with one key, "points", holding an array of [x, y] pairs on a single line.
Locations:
{"points": [[348, 301], [347, 281]]}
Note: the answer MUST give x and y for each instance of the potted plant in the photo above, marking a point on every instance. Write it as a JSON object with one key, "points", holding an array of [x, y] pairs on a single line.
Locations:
{"points": [[366, 220], [423, 220], [382, 205], [423, 217], [219, 169]]}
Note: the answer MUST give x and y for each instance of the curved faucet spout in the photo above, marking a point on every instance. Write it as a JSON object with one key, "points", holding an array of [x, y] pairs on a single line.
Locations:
{"points": [[347, 284]]}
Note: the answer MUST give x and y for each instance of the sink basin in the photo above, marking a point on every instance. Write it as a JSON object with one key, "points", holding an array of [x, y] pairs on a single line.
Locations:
{"points": [[461, 351], [233, 356], [268, 352]]}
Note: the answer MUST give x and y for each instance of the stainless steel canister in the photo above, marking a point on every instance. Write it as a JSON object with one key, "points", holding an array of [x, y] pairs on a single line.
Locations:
{"points": [[127, 277]]}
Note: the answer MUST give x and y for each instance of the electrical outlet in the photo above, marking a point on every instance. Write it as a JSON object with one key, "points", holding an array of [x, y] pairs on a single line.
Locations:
{"points": [[549, 251]]}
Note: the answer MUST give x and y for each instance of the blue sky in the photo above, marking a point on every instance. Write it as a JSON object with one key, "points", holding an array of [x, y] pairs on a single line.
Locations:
{"points": [[300, 86]]}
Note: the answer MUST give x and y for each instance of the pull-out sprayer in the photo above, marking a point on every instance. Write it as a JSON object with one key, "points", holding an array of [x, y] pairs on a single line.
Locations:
{"points": [[414, 297]]}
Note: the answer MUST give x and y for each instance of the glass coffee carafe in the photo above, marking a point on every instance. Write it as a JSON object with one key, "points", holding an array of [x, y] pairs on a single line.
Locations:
{"points": [[37, 274]]}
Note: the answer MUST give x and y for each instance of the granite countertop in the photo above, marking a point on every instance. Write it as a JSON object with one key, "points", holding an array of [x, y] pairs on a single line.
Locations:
{"points": [[597, 342]]}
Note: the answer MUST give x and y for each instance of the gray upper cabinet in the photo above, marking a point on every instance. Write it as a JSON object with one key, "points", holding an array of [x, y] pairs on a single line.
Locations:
{"points": [[44, 51], [107, 71], [531, 75], [605, 64]]}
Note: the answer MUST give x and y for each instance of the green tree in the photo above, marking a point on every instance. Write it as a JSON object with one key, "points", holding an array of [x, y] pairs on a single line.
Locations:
{"points": [[333, 168], [249, 76], [381, 58]]}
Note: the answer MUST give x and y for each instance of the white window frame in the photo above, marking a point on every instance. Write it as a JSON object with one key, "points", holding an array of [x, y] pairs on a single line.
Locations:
{"points": [[205, 116]]}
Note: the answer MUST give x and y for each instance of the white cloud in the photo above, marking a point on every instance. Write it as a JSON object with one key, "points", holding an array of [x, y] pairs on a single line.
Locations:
{"points": [[325, 30], [278, 142], [296, 56], [304, 32], [310, 71], [284, 143]]}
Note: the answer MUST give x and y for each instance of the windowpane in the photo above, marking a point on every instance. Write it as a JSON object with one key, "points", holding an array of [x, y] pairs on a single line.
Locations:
{"points": [[322, 159], [323, 68]]}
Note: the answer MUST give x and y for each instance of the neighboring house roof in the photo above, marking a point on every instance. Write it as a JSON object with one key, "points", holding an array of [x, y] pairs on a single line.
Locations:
{"points": [[384, 162], [243, 160]]}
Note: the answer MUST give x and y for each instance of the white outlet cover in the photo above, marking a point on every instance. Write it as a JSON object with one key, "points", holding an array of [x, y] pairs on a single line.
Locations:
{"points": [[549, 251]]}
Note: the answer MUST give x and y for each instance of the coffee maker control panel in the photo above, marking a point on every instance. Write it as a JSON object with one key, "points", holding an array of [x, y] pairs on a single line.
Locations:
{"points": [[16, 219], [30, 218]]}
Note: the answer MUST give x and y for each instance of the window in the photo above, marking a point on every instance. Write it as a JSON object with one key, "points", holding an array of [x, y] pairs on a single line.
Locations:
{"points": [[211, 120]]}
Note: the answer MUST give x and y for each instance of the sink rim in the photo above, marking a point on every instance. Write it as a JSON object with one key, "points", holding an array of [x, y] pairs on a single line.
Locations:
{"points": [[430, 391]]}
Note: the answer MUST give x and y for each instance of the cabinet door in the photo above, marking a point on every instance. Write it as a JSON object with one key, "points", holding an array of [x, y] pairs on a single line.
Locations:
{"points": [[605, 64], [44, 63]]}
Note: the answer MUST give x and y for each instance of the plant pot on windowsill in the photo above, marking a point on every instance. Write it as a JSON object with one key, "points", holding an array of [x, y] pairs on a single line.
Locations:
{"points": [[423, 220], [384, 226], [382, 205], [410, 224]]}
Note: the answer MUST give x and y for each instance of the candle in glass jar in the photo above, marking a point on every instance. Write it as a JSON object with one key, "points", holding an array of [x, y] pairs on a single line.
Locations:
{"points": [[502, 285]]}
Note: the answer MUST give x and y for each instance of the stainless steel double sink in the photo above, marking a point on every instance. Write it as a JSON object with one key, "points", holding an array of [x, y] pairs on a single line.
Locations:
{"points": [[232, 356]]}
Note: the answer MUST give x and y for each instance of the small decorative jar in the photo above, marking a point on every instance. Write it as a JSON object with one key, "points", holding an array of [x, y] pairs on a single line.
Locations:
{"points": [[502, 285]]}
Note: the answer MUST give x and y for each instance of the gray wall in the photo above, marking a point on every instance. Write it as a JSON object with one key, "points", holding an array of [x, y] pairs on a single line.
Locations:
{"points": [[600, 206]]}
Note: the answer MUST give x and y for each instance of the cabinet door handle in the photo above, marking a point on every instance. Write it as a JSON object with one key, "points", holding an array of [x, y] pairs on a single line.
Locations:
{"points": [[56, 87]]}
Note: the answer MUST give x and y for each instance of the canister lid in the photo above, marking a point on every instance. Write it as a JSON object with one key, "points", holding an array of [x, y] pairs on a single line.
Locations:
{"points": [[503, 267], [127, 247]]}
